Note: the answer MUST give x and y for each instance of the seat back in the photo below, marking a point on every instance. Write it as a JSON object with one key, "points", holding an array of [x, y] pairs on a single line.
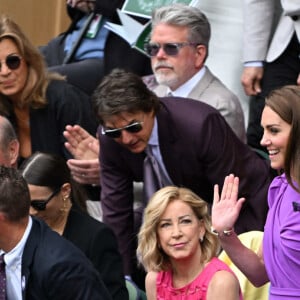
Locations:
{"points": [[252, 240], [134, 292]]}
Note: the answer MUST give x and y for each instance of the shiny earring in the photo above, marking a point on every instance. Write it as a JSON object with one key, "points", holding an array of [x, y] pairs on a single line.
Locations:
{"points": [[63, 209], [201, 239]]}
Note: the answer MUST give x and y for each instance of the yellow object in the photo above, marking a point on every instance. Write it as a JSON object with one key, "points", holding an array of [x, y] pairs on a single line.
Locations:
{"points": [[252, 240]]}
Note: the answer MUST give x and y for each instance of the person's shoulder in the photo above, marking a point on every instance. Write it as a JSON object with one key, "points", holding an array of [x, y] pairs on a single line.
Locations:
{"points": [[83, 220], [150, 283], [63, 91], [217, 89], [182, 104], [223, 282]]}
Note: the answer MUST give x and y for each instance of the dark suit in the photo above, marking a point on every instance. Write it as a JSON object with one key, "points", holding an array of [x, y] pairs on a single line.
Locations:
{"points": [[198, 149], [52, 268], [66, 105], [99, 244], [87, 73]]}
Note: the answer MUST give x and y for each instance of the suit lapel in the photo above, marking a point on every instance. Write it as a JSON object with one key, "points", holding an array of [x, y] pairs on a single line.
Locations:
{"points": [[202, 85], [28, 254]]}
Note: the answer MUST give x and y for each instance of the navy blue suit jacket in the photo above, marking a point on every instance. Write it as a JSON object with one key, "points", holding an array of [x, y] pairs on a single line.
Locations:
{"points": [[53, 268], [198, 149]]}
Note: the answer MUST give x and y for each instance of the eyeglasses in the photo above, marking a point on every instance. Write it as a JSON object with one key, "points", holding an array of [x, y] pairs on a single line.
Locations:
{"points": [[171, 49], [12, 62], [116, 133], [41, 204]]}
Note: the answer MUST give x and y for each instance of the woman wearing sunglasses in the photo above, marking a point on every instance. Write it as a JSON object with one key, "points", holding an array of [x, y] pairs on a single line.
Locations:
{"points": [[56, 199], [39, 104]]}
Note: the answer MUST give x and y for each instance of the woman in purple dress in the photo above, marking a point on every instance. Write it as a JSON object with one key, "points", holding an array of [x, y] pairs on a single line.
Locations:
{"points": [[278, 259]]}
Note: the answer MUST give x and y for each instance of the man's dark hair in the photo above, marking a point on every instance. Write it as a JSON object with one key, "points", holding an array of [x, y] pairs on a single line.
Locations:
{"points": [[14, 194], [122, 91]]}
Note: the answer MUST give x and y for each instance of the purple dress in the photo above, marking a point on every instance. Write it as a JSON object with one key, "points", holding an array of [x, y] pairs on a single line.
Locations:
{"points": [[281, 244]]}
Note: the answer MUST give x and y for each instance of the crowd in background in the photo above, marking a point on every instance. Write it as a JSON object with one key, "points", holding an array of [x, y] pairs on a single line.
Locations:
{"points": [[125, 172]]}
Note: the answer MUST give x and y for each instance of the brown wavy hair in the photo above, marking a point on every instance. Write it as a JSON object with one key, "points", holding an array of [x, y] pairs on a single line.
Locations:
{"points": [[38, 78]]}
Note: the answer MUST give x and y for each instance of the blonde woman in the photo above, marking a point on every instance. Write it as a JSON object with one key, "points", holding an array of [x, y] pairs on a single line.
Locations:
{"points": [[178, 250]]}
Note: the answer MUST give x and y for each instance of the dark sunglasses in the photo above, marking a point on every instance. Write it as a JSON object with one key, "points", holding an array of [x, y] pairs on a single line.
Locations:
{"points": [[171, 49], [12, 62], [116, 133], [41, 204]]}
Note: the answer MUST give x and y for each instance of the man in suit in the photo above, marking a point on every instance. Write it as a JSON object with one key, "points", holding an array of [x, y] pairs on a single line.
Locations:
{"points": [[99, 51], [192, 143], [181, 71], [271, 60], [39, 264]]}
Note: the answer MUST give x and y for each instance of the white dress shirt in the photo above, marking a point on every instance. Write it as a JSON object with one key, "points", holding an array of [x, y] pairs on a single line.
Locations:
{"points": [[13, 267]]}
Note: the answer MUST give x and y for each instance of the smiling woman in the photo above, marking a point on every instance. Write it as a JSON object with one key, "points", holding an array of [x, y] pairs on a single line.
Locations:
{"points": [[179, 251], [277, 259]]}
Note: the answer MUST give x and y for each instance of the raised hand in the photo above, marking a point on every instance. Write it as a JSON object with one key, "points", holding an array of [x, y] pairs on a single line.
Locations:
{"points": [[226, 208], [85, 167], [80, 143]]}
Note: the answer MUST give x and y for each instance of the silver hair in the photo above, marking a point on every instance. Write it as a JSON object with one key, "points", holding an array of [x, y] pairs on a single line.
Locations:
{"points": [[185, 16]]}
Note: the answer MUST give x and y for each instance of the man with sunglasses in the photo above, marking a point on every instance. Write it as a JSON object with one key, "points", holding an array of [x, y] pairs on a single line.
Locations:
{"points": [[193, 146], [39, 263], [178, 49]]}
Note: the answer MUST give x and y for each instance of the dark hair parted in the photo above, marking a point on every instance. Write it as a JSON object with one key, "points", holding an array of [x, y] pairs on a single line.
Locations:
{"points": [[285, 102], [122, 91], [51, 170], [15, 198]]}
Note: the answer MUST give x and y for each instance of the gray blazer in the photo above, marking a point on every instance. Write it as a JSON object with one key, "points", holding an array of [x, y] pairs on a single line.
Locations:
{"points": [[260, 43], [213, 92]]}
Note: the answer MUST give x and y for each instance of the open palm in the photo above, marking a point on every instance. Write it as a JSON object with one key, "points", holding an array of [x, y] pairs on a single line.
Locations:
{"points": [[226, 208]]}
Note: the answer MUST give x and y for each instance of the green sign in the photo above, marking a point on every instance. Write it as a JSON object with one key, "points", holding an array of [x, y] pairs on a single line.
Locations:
{"points": [[143, 8]]}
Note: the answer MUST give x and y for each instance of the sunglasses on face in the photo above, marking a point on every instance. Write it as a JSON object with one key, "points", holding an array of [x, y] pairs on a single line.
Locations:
{"points": [[116, 133], [171, 49], [41, 204], [12, 62]]}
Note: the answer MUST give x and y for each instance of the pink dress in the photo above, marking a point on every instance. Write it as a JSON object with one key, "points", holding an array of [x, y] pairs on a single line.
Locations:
{"points": [[196, 290]]}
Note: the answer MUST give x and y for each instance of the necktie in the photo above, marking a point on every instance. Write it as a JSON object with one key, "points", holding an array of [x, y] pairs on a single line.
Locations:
{"points": [[2, 279], [152, 175]]}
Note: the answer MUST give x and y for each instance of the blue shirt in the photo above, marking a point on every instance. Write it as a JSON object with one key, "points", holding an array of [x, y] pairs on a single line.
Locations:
{"points": [[90, 47]]}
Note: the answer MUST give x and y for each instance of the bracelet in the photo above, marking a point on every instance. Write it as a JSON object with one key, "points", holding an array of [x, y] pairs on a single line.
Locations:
{"points": [[228, 232]]}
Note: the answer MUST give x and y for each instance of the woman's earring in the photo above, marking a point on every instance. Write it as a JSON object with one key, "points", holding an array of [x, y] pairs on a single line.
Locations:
{"points": [[201, 239], [64, 207]]}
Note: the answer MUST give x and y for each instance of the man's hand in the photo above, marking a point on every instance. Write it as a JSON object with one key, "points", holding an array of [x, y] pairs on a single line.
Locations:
{"points": [[85, 167], [85, 171], [80, 143], [85, 6], [251, 78]]}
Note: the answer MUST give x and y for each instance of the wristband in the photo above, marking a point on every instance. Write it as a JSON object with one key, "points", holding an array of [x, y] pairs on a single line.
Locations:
{"points": [[228, 232]]}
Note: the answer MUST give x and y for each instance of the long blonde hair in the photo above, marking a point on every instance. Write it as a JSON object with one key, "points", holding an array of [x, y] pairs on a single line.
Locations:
{"points": [[148, 252]]}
